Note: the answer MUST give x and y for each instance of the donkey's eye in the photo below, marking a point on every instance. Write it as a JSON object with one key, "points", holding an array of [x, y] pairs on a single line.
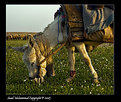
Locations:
{"points": [[32, 64]]}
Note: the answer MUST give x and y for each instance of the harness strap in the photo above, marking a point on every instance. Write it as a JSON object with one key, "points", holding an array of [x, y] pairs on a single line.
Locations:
{"points": [[58, 26], [66, 18]]}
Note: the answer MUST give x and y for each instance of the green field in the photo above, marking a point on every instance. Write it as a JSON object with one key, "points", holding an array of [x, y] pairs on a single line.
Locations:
{"points": [[17, 82]]}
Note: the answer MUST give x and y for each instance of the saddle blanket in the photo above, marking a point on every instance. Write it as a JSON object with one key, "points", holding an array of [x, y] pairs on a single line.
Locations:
{"points": [[95, 20]]}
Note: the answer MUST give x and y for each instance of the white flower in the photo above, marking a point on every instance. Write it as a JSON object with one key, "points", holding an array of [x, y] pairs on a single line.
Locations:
{"points": [[90, 92], [106, 59], [87, 86], [98, 85], [24, 80], [61, 86], [71, 88], [103, 58], [102, 89]]}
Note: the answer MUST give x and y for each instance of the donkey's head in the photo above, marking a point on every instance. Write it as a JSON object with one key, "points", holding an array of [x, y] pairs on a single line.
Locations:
{"points": [[32, 57]]}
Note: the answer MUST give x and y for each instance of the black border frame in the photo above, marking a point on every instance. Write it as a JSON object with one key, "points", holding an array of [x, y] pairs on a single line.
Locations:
{"points": [[117, 70]]}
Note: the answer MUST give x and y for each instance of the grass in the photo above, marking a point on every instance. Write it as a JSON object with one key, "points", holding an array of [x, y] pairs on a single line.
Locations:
{"points": [[17, 82]]}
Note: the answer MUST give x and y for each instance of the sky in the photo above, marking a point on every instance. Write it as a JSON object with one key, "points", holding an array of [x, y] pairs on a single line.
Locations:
{"points": [[29, 18]]}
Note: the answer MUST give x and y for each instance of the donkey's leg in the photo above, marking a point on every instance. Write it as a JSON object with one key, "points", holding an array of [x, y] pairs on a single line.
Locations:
{"points": [[50, 67], [81, 47], [71, 58]]}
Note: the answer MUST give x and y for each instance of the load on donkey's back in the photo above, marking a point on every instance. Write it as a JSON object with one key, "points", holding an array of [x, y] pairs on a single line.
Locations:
{"points": [[82, 20]]}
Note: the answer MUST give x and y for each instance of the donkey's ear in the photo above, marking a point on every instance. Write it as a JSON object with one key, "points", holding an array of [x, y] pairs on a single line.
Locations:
{"points": [[31, 41], [21, 49]]}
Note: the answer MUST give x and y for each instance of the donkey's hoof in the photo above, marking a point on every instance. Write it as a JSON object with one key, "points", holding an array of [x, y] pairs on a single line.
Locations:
{"points": [[96, 81], [37, 80], [69, 79], [53, 74]]}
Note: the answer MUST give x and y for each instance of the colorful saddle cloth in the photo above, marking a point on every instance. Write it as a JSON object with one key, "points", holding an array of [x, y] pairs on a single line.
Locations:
{"points": [[98, 19]]}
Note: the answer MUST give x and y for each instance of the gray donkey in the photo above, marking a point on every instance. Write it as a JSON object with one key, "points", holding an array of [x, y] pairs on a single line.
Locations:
{"points": [[41, 45]]}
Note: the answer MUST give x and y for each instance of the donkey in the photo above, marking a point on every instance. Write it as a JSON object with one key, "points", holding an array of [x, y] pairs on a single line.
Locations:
{"points": [[40, 45]]}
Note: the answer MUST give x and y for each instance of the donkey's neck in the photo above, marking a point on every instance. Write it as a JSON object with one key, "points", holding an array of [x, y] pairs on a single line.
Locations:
{"points": [[52, 40], [51, 33]]}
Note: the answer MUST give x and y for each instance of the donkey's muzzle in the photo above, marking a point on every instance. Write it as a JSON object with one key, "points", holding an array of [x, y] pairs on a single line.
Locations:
{"points": [[30, 78], [38, 76]]}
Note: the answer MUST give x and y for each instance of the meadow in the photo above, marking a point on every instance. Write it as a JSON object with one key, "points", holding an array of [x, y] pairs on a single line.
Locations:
{"points": [[17, 82]]}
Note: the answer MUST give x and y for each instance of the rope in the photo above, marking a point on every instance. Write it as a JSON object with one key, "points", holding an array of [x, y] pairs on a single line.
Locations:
{"points": [[53, 53], [58, 26]]}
